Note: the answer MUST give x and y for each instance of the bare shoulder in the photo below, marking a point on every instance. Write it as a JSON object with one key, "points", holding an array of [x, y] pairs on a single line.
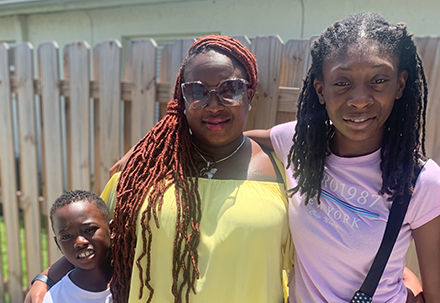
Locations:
{"points": [[261, 166]]}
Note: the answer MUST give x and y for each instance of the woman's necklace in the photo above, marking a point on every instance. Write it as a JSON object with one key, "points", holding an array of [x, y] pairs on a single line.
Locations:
{"points": [[209, 173]]}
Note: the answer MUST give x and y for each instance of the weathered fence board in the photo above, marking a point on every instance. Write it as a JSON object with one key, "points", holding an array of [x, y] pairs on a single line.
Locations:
{"points": [[76, 64], [9, 180], [268, 51], [140, 71], [174, 55], [107, 71], [28, 155], [52, 138]]}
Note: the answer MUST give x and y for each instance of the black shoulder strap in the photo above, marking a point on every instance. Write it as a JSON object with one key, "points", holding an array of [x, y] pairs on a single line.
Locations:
{"points": [[394, 224], [268, 152]]}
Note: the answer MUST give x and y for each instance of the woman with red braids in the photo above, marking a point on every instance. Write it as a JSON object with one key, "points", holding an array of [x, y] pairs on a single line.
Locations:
{"points": [[200, 213]]}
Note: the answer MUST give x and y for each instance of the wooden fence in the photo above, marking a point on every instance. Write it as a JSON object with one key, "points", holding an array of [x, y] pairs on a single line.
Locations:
{"points": [[92, 108]]}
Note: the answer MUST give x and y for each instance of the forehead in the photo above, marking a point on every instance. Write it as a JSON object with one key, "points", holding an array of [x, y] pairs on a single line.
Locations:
{"points": [[77, 213], [361, 55], [212, 67]]}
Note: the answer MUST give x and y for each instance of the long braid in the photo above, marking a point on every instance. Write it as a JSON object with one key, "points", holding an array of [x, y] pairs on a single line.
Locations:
{"points": [[401, 145], [165, 157]]}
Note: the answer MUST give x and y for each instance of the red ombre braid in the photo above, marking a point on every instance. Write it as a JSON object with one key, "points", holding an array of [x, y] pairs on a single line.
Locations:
{"points": [[162, 158]]}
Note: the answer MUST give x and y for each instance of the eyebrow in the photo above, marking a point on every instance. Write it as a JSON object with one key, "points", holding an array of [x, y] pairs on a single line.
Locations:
{"points": [[344, 68], [84, 223]]}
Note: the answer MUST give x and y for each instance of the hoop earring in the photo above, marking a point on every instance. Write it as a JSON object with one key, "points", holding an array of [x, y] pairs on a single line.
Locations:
{"points": [[250, 107], [190, 131], [184, 111]]}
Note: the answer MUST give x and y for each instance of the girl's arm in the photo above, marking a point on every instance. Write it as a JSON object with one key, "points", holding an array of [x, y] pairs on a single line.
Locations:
{"points": [[56, 272], [262, 136], [427, 240]]}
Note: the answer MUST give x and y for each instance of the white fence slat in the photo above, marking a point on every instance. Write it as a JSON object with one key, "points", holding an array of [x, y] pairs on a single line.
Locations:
{"points": [[243, 40], [268, 51], [52, 137], [433, 109], [28, 148], [78, 128], [8, 177], [165, 74], [107, 71], [141, 72]]}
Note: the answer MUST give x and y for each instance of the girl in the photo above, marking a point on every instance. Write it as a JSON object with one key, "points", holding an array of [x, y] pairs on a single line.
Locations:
{"points": [[355, 144]]}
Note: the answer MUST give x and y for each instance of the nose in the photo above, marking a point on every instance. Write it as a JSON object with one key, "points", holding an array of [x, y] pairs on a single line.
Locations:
{"points": [[214, 104], [81, 242], [361, 97]]}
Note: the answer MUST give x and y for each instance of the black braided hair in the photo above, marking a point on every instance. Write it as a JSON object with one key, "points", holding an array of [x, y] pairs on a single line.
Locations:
{"points": [[401, 145]]}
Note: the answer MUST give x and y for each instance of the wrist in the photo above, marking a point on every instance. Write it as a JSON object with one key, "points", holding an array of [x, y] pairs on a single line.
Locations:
{"points": [[43, 278]]}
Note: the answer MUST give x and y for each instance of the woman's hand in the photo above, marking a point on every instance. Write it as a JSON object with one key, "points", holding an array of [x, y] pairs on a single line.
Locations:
{"points": [[36, 292], [427, 240], [413, 286]]}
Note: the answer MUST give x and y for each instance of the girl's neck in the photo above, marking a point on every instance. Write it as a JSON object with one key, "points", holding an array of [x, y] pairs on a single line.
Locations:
{"points": [[349, 149]]}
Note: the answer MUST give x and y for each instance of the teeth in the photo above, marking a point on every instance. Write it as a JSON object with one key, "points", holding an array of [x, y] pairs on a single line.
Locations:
{"points": [[86, 254], [358, 120]]}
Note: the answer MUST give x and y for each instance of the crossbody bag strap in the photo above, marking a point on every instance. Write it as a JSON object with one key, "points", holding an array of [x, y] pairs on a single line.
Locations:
{"points": [[394, 224]]}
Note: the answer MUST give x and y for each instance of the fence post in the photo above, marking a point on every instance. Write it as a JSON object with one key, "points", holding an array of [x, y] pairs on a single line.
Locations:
{"points": [[107, 71], [268, 51], [77, 72], [291, 74], [140, 71], [28, 151], [48, 71], [171, 58], [8, 180]]}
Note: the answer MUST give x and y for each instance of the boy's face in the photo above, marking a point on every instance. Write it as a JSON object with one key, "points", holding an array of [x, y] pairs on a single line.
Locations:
{"points": [[82, 234]]}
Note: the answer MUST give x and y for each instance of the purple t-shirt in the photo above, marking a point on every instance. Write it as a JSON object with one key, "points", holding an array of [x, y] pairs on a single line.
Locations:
{"points": [[336, 241]]}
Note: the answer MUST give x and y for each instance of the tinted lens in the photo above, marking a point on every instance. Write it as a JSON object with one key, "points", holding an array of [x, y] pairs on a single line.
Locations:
{"points": [[231, 92], [195, 94]]}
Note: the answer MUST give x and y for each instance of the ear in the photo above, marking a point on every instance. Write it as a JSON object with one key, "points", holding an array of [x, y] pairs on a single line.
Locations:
{"points": [[319, 89], [111, 225], [401, 82], [58, 245], [251, 95]]}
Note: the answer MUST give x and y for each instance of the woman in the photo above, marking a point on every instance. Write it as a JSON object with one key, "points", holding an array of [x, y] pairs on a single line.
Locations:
{"points": [[201, 213]]}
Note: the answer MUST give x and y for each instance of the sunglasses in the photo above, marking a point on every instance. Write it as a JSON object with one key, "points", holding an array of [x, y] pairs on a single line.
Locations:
{"points": [[230, 92]]}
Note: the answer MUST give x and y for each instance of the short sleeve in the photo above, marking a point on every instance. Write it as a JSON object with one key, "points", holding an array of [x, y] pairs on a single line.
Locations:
{"points": [[281, 138], [109, 194], [425, 202]]}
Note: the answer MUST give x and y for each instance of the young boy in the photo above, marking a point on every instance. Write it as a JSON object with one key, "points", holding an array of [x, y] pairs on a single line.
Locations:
{"points": [[80, 222]]}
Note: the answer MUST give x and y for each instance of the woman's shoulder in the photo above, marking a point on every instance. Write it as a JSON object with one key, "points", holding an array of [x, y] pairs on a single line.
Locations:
{"points": [[264, 166]]}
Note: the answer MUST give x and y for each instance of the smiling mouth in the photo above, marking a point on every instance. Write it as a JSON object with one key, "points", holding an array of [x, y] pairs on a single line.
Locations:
{"points": [[360, 120], [86, 254], [216, 124]]}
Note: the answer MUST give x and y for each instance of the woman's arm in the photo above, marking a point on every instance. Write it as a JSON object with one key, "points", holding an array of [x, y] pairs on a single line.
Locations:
{"points": [[119, 166], [56, 272], [262, 136], [412, 283], [427, 240]]}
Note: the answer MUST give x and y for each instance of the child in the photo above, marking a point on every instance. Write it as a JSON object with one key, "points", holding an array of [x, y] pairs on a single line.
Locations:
{"points": [[355, 143], [80, 222]]}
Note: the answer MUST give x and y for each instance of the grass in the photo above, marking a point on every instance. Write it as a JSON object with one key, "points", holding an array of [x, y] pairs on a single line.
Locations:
{"points": [[4, 250]]}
